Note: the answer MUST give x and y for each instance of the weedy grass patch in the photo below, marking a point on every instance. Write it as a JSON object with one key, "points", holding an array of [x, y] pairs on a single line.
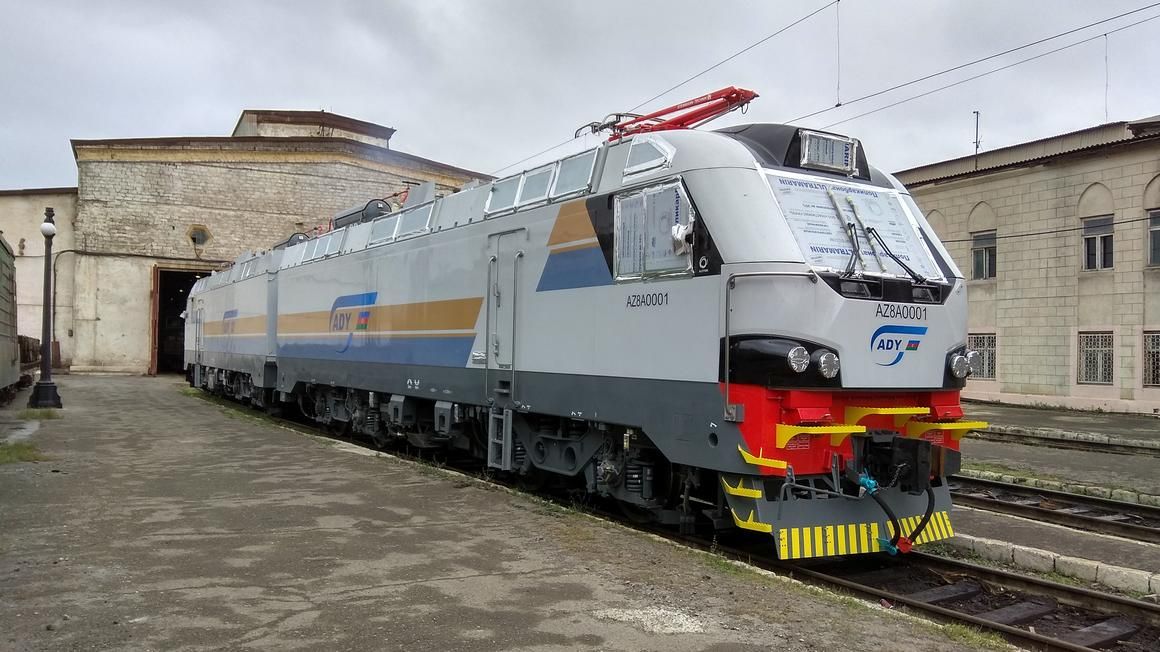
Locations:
{"points": [[21, 451]]}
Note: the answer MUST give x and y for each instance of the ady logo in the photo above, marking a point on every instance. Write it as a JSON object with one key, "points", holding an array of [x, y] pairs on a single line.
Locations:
{"points": [[228, 321], [891, 342], [351, 313]]}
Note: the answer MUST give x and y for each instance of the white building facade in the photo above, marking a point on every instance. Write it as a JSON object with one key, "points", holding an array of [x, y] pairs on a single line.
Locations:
{"points": [[1060, 239]]}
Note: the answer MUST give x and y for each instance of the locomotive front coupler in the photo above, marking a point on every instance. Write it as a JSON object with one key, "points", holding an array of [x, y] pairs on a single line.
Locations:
{"points": [[882, 459]]}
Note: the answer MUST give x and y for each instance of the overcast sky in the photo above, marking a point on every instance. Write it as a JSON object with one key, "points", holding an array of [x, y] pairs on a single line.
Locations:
{"points": [[483, 84]]}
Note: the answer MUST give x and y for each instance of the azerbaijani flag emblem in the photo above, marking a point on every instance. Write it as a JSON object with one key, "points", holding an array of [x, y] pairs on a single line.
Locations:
{"points": [[912, 345], [364, 317]]}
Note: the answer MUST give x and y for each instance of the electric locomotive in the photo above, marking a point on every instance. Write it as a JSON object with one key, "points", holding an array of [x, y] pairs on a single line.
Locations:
{"points": [[751, 328]]}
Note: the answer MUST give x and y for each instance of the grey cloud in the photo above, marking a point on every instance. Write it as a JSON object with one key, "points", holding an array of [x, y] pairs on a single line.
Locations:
{"points": [[482, 84]]}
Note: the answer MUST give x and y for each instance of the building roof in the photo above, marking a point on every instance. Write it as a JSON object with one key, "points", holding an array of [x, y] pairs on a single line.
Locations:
{"points": [[1032, 152], [279, 143], [64, 190], [321, 118]]}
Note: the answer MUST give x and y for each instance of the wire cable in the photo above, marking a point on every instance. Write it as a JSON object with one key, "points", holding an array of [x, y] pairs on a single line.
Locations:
{"points": [[686, 81], [989, 72], [737, 54], [1069, 229], [976, 61]]}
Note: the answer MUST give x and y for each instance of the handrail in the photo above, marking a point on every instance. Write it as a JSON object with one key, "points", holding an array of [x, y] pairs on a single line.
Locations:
{"points": [[487, 333], [732, 413], [515, 317]]}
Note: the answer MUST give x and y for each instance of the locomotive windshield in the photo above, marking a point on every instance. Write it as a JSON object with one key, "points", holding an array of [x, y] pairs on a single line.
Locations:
{"points": [[855, 228]]}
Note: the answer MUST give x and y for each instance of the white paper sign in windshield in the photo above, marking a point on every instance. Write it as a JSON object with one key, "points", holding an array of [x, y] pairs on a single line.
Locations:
{"points": [[823, 236]]}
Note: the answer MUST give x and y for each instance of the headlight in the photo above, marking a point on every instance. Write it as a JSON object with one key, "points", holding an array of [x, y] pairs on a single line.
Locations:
{"points": [[798, 358], [960, 367], [975, 362], [826, 363]]}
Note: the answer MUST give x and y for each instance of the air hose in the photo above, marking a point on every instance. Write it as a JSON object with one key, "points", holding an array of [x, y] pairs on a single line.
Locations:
{"points": [[871, 487], [926, 516]]}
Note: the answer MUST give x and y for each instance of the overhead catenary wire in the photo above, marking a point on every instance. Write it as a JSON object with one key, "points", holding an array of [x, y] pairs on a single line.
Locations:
{"points": [[989, 72], [968, 64], [682, 83], [737, 54], [1070, 229], [878, 93]]}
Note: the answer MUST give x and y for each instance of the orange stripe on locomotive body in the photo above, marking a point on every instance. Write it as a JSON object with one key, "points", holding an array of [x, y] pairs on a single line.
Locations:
{"points": [[572, 224], [237, 326], [446, 315], [810, 454]]}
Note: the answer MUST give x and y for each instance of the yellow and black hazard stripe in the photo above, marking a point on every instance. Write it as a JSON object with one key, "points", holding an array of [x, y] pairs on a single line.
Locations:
{"points": [[853, 538]]}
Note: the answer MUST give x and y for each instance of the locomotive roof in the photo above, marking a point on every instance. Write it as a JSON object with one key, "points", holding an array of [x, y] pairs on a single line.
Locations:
{"points": [[606, 168]]}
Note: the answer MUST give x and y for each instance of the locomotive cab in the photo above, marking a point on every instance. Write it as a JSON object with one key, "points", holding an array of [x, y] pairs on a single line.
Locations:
{"points": [[841, 356]]}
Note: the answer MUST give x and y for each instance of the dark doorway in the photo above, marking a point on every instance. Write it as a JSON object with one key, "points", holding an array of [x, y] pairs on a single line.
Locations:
{"points": [[172, 292]]}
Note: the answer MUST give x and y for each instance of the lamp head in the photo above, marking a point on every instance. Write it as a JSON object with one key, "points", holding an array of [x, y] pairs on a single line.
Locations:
{"points": [[47, 229]]}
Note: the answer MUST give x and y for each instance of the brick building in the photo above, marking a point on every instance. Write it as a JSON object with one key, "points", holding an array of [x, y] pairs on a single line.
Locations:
{"points": [[1060, 241], [150, 215]]}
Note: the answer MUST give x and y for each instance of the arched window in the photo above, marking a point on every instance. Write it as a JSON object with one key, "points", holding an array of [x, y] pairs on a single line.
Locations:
{"points": [[984, 245], [1152, 208], [1096, 213]]}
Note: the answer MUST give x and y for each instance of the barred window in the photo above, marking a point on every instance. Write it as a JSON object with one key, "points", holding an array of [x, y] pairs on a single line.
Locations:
{"points": [[984, 343], [1152, 359], [1096, 356]]}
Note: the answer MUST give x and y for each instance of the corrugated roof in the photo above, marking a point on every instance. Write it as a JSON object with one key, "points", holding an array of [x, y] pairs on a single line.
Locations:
{"points": [[1031, 151], [66, 190]]}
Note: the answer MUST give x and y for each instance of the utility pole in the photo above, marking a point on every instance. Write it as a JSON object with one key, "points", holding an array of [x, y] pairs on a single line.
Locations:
{"points": [[977, 141]]}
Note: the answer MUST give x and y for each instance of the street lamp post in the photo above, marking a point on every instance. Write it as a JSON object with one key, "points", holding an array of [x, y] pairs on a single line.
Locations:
{"points": [[44, 394]]}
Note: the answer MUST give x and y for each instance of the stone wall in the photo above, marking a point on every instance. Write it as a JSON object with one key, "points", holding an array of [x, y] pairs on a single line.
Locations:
{"points": [[149, 207], [138, 206], [1042, 297], [21, 214]]}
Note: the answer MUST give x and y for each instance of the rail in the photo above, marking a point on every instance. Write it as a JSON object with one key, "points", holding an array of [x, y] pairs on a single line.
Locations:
{"points": [[1091, 513]]}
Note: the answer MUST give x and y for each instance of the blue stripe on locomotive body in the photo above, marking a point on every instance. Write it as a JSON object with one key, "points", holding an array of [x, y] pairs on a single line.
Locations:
{"points": [[576, 268], [437, 351]]}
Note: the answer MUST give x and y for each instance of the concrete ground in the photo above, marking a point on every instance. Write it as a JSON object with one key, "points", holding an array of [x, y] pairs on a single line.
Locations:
{"points": [[162, 521], [1058, 539], [1124, 426], [1135, 472]]}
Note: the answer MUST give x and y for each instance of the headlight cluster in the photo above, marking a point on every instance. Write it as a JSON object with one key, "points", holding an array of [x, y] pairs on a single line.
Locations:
{"points": [[964, 365], [826, 362]]}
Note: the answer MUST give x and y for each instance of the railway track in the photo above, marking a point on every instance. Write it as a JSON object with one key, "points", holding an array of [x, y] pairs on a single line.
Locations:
{"points": [[1108, 445], [1114, 517], [1027, 611]]}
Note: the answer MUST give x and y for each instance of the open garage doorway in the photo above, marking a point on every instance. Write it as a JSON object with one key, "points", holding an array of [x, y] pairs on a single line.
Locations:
{"points": [[170, 293]]}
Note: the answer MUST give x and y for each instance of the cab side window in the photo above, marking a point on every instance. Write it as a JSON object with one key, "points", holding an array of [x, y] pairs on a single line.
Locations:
{"points": [[652, 228]]}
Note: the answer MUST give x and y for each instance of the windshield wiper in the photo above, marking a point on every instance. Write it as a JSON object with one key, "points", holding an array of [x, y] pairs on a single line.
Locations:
{"points": [[873, 234], [918, 278], [861, 223], [851, 233]]}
